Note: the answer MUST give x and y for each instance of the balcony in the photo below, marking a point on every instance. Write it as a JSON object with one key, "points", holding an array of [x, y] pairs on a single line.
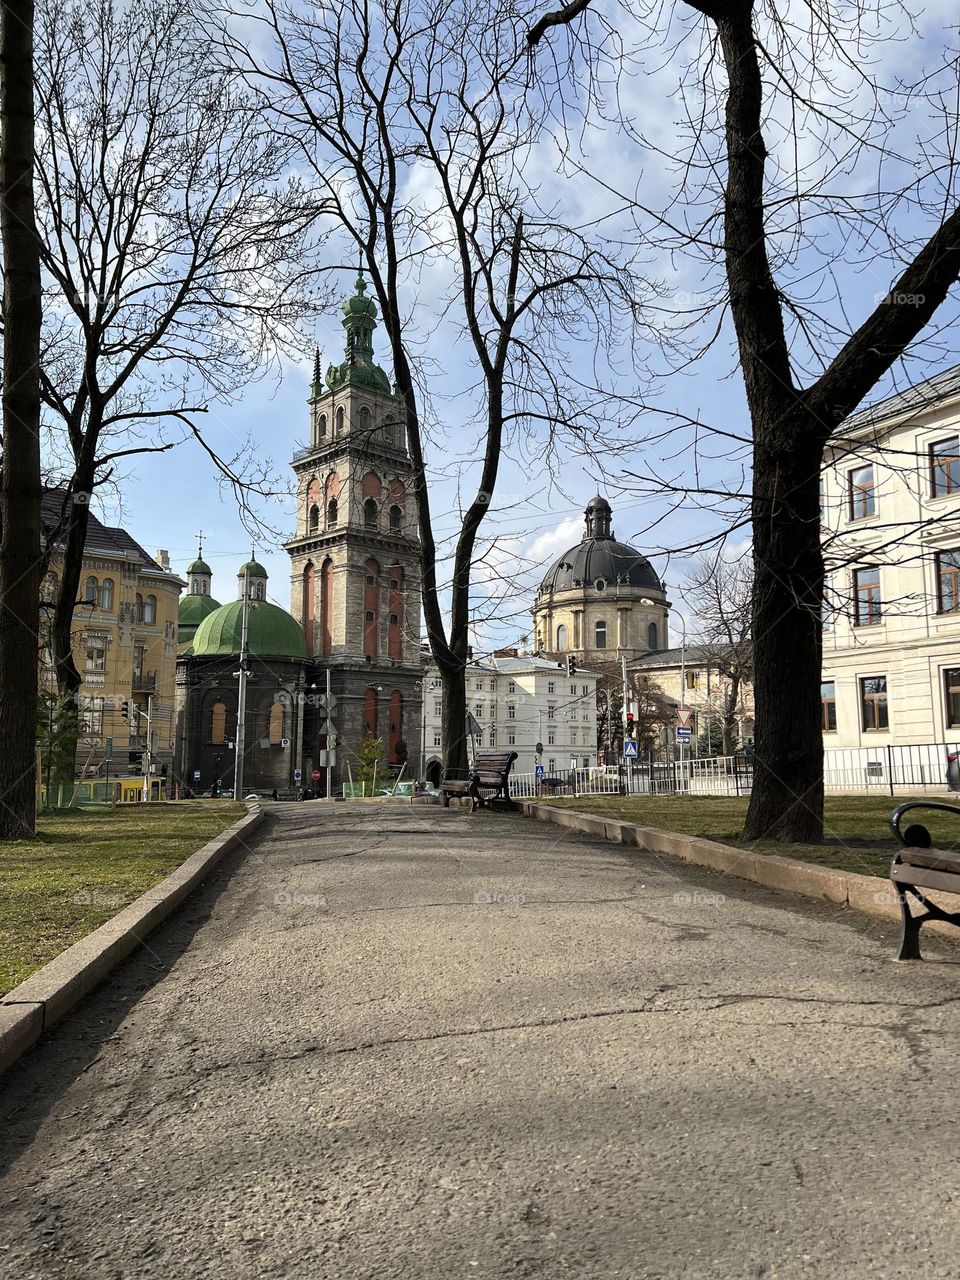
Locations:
{"points": [[144, 681]]}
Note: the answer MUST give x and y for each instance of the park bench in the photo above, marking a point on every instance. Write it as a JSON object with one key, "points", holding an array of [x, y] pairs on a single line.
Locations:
{"points": [[487, 782], [918, 867]]}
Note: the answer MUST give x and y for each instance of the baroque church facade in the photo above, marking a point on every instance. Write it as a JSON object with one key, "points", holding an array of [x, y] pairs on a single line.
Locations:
{"points": [[354, 603]]}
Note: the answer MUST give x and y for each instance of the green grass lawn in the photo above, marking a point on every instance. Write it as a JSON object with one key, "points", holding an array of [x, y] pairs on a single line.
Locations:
{"points": [[857, 835], [85, 866]]}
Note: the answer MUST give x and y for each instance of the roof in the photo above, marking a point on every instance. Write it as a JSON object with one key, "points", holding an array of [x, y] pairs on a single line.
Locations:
{"points": [[193, 608], [693, 655], [101, 539], [200, 566], [601, 560], [271, 632], [256, 570], [922, 395]]}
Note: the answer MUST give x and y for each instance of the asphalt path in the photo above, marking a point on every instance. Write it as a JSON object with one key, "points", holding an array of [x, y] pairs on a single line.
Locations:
{"points": [[391, 1041]]}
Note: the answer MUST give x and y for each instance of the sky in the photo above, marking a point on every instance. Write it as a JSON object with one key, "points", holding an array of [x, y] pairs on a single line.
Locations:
{"points": [[167, 499]]}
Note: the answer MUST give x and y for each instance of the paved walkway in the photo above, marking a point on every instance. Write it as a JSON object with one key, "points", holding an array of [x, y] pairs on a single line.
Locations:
{"points": [[401, 1042]]}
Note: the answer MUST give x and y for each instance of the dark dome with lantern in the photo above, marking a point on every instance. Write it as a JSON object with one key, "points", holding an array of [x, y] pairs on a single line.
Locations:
{"points": [[599, 560]]}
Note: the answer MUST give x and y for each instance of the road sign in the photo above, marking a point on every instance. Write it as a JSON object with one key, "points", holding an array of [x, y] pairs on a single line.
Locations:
{"points": [[284, 742], [196, 775], [684, 715], [297, 775], [316, 775], [684, 734], [327, 728], [539, 770], [629, 749], [326, 703]]}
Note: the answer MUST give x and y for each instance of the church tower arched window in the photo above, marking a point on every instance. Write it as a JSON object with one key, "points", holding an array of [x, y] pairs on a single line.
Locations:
{"points": [[370, 513], [396, 519], [331, 513], [218, 722], [561, 637], [652, 638], [313, 520]]}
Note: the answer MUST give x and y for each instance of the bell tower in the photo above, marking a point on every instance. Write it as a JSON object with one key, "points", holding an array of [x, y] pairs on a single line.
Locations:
{"points": [[355, 556]]}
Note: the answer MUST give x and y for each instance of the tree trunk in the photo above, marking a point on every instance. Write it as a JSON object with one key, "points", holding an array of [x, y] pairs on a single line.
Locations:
{"points": [[69, 679], [453, 723], [786, 802], [20, 480], [730, 715]]}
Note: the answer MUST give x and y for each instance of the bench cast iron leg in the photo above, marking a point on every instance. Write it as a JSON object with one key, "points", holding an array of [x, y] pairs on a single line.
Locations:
{"points": [[910, 942]]}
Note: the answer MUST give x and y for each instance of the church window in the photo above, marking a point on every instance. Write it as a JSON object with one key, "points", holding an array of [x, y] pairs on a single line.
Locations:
{"points": [[370, 513], [331, 512], [276, 724], [340, 421], [314, 520], [394, 619], [150, 609], [394, 584], [396, 516], [371, 607], [652, 636], [90, 591], [218, 722], [106, 594], [561, 637], [600, 633], [322, 425], [365, 421]]}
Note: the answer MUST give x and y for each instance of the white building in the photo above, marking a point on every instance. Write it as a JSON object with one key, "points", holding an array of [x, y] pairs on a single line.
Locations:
{"points": [[891, 511], [518, 701]]}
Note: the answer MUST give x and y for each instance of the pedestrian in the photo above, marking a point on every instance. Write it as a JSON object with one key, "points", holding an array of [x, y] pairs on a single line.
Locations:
{"points": [[274, 795]]}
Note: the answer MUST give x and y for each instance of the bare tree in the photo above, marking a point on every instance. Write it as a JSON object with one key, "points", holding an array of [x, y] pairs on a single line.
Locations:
{"points": [[419, 132], [171, 242], [20, 476], [720, 592], [757, 74]]}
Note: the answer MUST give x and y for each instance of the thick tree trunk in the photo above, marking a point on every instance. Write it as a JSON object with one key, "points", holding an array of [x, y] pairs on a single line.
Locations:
{"points": [[730, 715], [787, 798], [69, 679], [20, 481], [453, 719]]}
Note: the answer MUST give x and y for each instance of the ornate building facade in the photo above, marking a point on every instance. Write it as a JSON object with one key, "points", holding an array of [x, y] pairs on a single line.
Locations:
{"points": [[602, 599], [355, 556]]}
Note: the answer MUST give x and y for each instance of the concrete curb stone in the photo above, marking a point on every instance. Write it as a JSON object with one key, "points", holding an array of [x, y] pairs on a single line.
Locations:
{"points": [[41, 1000], [870, 895]]}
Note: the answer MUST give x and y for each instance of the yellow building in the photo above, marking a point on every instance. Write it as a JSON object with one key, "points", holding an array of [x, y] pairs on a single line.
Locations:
{"points": [[124, 645]]}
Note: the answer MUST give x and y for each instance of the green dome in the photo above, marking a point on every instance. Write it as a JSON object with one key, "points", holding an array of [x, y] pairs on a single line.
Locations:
{"points": [[200, 566], [359, 305], [194, 608], [256, 570], [271, 632]]}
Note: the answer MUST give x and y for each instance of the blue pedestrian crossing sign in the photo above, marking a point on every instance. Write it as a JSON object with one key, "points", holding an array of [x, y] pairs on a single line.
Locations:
{"points": [[539, 770], [629, 749]]}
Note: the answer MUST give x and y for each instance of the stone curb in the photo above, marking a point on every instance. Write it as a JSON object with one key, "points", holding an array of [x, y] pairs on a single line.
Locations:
{"points": [[868, 894], [41, 1000]]}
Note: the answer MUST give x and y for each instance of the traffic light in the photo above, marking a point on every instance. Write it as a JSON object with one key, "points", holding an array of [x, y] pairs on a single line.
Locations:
{"points": [[629, 724], [125, 710], [573, 666]]}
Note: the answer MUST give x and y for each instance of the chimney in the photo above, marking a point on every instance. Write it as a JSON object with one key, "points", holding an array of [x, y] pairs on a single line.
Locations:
{"points": [[506, 653], [163, 559]]}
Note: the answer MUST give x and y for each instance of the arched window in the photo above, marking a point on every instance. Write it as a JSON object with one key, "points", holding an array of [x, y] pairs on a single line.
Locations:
{"points": [[90, 591], [652, 636], [150, 609], [370, 513], [308, 605], [276, 724], [600, 632], [257, 591], [138, 607], [370, 712], [366, 422], [331, 512], [561, 637], [396, 517], [340, 421], [218, 722], [313, 521], [371, 609], [321, 426], [106, 594], [326, 606]]}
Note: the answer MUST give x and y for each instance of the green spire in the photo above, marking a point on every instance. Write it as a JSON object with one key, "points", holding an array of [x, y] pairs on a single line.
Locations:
{"points": [[358, 369]]}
